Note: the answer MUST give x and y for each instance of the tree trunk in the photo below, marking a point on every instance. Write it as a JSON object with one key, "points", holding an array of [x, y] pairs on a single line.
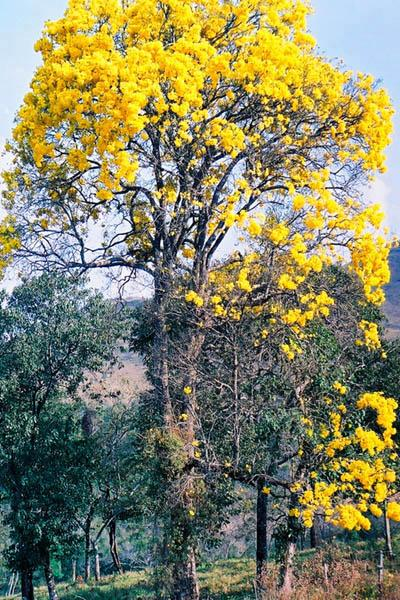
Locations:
{"points": [[160, 348], [12, 584], [186, 584], [261, 540], [97, 573], [112, 534], [316, 532], [287, 550], [87, 556], [388, 535], [73, 571], [287, 571], [313, 537], [50, 581], [183, 563], [27, 592]]}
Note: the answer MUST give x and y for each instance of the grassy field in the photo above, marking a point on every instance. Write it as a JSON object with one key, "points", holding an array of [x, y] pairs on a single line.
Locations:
{"points": [[224, 580], [233, 580]]}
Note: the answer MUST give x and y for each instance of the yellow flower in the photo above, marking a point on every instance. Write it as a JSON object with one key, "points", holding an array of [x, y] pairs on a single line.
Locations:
{"points": [[192, 296], [393, 511], [375, 510], [188, 252], [254, 228], [340, 388]]}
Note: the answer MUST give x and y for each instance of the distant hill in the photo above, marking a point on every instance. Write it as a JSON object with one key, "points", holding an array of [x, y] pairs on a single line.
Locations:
{"points": [[392, 304]]}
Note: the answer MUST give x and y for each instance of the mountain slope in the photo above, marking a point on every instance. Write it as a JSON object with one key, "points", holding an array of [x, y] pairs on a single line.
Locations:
{"points": [[392, 304]]}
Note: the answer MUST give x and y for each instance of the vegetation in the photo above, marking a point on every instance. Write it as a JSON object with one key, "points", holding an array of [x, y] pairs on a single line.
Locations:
{"points": [[155, 134], [233, 580]]}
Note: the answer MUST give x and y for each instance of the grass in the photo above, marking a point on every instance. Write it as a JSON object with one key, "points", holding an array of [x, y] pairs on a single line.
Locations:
{"points": [[224, 580], [233, 580], [131, 586]]}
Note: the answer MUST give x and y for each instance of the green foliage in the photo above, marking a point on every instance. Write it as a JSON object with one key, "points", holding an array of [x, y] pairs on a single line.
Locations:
{"points": [[52, 332]]}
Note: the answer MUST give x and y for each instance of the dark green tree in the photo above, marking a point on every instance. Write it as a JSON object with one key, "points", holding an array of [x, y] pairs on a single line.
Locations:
{"points": [[53, 332]]}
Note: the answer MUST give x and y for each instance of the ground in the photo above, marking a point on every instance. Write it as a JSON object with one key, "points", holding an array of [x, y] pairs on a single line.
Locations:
{"points": [[233, 580]]}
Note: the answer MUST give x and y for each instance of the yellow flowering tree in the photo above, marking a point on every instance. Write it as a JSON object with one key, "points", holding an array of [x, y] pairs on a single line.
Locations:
{"points": [[154, 129], [297, 425]]}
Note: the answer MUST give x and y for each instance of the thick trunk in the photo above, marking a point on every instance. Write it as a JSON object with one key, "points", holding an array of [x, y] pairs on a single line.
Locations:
{"points": [[288, 545], [27, 592], [182, 563], [50, 581], [261, 540], [186, 585], [112, 536], [388, 536], [287, 571]]}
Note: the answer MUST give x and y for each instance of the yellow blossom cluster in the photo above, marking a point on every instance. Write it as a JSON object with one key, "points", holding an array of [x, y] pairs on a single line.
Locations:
{"points": [[9, 242], [371, 335], [360, 477], [349, 517], [385, 409], [393, 511], [194, 297]]}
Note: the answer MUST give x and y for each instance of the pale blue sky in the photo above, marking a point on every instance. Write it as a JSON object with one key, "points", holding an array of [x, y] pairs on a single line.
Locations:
{"points": [[365, 34]]}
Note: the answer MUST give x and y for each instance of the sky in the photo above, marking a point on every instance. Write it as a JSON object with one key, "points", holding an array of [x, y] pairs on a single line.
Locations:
{"points": [[364, 34]]}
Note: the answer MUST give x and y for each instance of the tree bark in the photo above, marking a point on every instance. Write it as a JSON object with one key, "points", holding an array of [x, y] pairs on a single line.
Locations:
{"points": [[112, 535], [87, 556], [185, 579], [50, 581], [287, 571], [160, 348], [313, 537], [73, 571], [316, 533], [27, 591], [183, 563], [288, 545], [261, 540], [186, 584]]}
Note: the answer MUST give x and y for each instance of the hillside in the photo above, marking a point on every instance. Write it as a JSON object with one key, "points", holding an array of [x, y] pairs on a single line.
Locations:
{"points": [[392, 304]]}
